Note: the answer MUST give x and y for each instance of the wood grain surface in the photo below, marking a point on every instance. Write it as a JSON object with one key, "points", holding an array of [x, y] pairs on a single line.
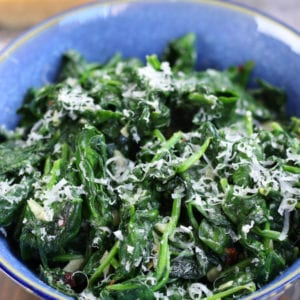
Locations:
{"points": [[15, 15], [25, 13], [9, 290]]}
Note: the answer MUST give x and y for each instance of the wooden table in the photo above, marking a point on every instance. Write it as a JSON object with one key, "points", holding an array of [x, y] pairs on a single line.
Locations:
{"points": [[9, 290], [288, 11]]}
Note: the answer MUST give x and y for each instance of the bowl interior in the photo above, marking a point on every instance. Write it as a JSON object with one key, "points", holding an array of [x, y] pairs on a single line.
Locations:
{"points": [[226, 35]]}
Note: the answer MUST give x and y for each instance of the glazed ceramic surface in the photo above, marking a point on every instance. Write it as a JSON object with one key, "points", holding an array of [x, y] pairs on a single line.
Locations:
{"points": [[227, 34]]}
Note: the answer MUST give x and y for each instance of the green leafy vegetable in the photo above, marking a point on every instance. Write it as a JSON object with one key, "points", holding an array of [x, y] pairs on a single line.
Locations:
{"points": [[132, 181]]}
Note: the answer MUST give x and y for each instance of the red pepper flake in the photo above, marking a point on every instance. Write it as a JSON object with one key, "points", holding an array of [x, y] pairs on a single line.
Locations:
{"points": [[50, 103], [241, 68], [113, 281], [232, 256], [69, 279]]}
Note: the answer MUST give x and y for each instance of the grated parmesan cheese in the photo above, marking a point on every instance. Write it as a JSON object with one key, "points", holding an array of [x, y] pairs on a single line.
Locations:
{"points": [[87, 295], [130, 249], [61, 191], [76, 100], [246, 228], [157, 80], [196, 290], [119, 235]]}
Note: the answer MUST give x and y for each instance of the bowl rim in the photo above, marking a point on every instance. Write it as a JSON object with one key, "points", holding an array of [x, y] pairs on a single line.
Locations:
{"points": [[267, 291]]}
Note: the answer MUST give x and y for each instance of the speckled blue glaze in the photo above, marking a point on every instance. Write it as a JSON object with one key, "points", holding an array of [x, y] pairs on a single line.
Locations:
{"points": [[227, 34]]}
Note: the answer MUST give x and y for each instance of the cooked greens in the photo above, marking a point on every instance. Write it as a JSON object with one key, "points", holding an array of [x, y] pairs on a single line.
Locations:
{"points": [[156, 181]]}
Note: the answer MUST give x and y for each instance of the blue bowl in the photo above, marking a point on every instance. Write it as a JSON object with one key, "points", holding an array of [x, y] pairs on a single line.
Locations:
{"points": [[228, 34]]}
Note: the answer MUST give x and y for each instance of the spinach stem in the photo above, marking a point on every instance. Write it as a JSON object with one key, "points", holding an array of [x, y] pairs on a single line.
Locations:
{"points": [[192, 218], [158, 134], [240, 265], [276, 126], [47, 166], [105, 263], [172, 141], [267, 241], [164, 254], [291, 169], [54, 173], [115, 263], [266, 233], [224, 184], [123, 286], [185, 165], [166, 275], [66, 257], [249, 286]]}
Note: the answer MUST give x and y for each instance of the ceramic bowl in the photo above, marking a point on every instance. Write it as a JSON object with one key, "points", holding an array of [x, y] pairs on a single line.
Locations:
{"points": [[227, 34]]}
